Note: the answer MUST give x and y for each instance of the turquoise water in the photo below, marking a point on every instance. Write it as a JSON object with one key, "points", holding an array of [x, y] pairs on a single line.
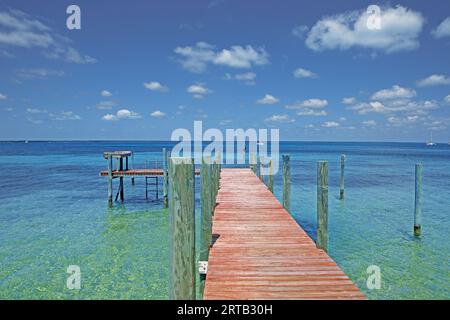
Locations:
{"points": [[54, 213]]}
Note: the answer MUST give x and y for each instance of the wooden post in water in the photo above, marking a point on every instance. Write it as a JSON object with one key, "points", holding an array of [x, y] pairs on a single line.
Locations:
{"points": [[122, 198], [182, 227], [215, 178], [418, 201], [206, 214], [322, 205], [110, 179], [341, 192], [270, 183], [165, 179], [253, 162], [261, 168], [286, 183]]}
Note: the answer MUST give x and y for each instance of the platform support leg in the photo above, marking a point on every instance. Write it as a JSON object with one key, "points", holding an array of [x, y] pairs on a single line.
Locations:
{"points": [[110, 180], [121, 182]]}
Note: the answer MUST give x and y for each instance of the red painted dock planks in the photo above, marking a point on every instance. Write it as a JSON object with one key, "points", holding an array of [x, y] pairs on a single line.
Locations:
{"points": [[262, 253]]}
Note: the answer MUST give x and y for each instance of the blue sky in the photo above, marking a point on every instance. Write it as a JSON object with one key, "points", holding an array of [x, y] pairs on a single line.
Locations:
{"points": [[140, 69]]}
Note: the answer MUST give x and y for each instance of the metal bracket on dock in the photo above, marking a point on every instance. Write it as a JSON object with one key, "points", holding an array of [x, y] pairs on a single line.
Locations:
{"points": [[202, 267]]}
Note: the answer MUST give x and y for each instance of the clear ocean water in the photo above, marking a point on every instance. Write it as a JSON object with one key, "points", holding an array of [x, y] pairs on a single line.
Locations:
{"points": [[54, 213]]}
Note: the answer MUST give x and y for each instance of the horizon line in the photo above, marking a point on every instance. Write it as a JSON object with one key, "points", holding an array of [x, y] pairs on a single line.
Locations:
{"points": [[170, 141]]}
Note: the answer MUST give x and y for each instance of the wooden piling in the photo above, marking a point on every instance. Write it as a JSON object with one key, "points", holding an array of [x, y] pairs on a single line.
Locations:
{"points": [[270, 182], [341, 191], [286, 183], [261, 166], [322, 205], [182, 227], [110, 180], [206, 214], [418, 201], [215, 176], [253, 162], [165, 179], [122, 197]]}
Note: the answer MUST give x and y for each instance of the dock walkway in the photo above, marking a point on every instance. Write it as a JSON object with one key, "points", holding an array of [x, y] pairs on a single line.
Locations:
{"points": [[260, 251]]}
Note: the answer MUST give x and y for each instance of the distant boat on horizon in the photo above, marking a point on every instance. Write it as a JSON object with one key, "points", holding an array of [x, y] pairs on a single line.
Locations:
{"points": [[430, 142], [26, 141]]}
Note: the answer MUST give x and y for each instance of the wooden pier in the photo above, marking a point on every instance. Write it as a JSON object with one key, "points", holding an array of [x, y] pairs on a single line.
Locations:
{"points": [[138, 173], [123, 170], [260, 252]]}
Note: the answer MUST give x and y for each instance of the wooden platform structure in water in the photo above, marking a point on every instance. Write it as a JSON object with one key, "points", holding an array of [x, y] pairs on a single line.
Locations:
{"points": [[137, 173], [260, 252]]}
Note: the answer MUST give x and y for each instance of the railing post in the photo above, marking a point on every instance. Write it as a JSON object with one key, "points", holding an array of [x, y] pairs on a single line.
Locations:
{"points": [[182, 227], [286, 183], [418, 201], [206, 214], [322, 205], [341, 192]]}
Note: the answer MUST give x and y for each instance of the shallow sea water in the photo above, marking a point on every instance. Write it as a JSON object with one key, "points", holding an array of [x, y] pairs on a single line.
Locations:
{"points": [[54, 213]]}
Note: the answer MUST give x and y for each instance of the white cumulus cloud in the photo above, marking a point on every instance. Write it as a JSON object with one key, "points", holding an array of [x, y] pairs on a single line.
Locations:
{"points": [[198, 90], [300, 31], [394, 106], [400, 121], [155, 86], [310, 104], [105, 93], [400, 29], [196, 58], [303, 73], [396, 92], [122, 114], [447, 99], [36, 110], [312, 112], [330, 124], [19, 29], [280, 118], [64, 116], [349, 101], [157, 114], [268, 99], [247, 77], [434, 80], [443, 29]]}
